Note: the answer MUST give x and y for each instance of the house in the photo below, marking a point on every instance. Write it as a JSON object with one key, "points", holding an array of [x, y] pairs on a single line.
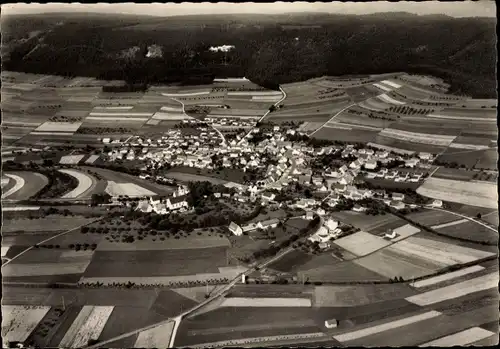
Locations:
{"points": [[398, 205], [267, 196], [331, 323], [402, 177], [144, 206], [175, 203], [343, 169], [346, 179], [249, 227], [371, 165], [358, 208], [382, 154], [391, 175], [320, 212], [356, 164], [331, 225], [425, 156], [398, 196], [415, 177], [390, 235], [270, 223], [379, 193], [217, 195], [317, 181], [309, 215], [235, 229], [411, 163], [333, 174], [437, 203], [338, 188]]}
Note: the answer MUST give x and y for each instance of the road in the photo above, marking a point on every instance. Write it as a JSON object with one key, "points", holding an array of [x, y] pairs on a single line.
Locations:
{"points": [[463, 216], [266, 113], [333, 117], [216, 130], [47, 240], [179, 317]]}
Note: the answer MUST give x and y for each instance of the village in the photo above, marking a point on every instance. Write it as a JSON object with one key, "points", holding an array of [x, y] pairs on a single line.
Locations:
{"points": [[284, 163]]}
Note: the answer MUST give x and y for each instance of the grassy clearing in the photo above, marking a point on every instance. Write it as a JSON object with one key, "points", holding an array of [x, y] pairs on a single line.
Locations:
{"points": [[345, 271], [389, 264], [480, 194], [48, 224], [156, 263], [350, 296], [366, 222], [470, 231], [432, 217], [457, 290], [266, 302], [192, 242], [382, 327]]}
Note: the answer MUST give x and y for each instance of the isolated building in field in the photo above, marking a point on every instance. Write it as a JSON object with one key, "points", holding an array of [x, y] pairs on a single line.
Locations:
{"points": [[333, 323], [437, 203], [390, 235], [235, 229]]}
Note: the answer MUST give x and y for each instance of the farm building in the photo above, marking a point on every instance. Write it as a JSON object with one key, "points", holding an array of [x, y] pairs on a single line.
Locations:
{"points": [[333, 323], [235, 229], [309, 215], [398, 205], [371, 165], [177, 202], [425, 156], [270, 223], [390, 235], [437, 203], [398, 196]]}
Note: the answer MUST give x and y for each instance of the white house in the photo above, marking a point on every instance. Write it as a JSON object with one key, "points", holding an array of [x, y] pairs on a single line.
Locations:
{"points": [[331, 225], [437, 203], [390, 235], [398, 196], [425, 156], [358, 208], [176, 203], [235, 229], [411, 163], [371, 165], [398, 205], [331, 323]]}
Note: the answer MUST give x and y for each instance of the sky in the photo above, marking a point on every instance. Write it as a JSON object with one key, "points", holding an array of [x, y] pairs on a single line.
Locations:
{"points": [[482, 8]]}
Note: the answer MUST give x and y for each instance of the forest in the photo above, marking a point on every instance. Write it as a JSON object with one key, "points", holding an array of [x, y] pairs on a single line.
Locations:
{"points": [[269, 50]]}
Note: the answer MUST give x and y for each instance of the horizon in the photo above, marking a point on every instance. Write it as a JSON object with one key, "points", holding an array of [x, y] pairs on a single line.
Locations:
{"points": [[457, 9]]}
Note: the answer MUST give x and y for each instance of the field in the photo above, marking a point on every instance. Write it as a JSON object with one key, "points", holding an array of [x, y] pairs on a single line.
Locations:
{"points": [[265, 302], [156, 337], [88, 325], [432, 217], [71, 159], [27, 185], [19, 321], [346, 134], [345, 271], [135, 263], [85, 183], [201, 241], [454, 174], [480, 159], [361, 243], [470, 231], [129, 189], [480, 194], [351, 296], [456, 290], [369, 223], [416, 137], [448, 276]]}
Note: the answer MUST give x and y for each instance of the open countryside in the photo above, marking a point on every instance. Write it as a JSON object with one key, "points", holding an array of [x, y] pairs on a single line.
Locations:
{"points": [[210, 181]]}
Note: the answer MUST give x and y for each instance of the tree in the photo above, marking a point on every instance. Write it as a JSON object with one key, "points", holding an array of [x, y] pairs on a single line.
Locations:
{"points": [[478, 216]]}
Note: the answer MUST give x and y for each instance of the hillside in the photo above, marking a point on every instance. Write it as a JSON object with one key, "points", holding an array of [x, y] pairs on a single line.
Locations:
{"points": [[269, 49]]}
